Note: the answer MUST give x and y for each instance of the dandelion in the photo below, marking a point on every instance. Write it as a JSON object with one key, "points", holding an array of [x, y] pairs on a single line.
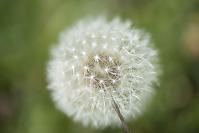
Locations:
{"points": [[101, 70]]}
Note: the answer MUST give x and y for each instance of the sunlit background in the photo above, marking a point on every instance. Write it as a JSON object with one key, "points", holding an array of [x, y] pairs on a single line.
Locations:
{"points": [[28, 28]]}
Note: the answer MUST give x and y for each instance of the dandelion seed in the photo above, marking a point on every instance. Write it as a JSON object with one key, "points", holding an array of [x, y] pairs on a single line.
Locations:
{"points": [[104, 36], [83, 42], [96, 58], [83, 53], [94, 44]]}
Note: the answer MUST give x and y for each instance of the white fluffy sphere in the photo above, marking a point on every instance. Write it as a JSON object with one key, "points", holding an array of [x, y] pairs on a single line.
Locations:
{"points": [[96, 60]]}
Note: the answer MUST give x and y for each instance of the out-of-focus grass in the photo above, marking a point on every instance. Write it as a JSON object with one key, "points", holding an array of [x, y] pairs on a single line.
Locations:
{"points": [[28, 28]]}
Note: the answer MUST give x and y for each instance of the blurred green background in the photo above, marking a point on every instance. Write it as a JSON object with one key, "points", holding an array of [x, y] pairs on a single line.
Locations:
{"points": [[28, 28]]}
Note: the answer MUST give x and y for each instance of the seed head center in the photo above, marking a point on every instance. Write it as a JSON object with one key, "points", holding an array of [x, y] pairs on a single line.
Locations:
{"points": [[101, 71]]}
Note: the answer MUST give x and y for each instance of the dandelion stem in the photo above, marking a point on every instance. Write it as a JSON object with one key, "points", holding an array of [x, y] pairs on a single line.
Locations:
{"points": [[117, 110]]}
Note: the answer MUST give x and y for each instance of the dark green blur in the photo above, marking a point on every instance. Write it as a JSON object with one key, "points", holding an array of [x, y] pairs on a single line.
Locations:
{"points": [[28, 28]]}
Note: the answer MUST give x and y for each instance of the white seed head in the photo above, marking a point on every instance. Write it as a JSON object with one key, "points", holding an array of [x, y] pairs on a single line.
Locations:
{"points": [[100, 60]]}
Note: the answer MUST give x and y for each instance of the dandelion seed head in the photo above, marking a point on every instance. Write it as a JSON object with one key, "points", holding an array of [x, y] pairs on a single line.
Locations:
{"points": [[97, 59]]}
